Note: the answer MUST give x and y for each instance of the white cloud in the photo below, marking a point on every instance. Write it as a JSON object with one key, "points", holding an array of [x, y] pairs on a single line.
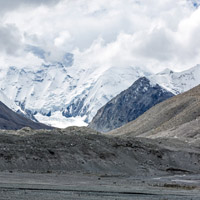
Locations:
{"points": [[62, 39], [153, 34]]}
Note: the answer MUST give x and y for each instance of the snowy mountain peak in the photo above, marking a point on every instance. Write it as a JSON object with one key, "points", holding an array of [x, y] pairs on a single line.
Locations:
{"points": [[178, 82]]}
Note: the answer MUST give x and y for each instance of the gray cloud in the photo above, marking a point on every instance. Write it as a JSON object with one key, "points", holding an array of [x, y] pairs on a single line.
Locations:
{"points": [[10, 39], [158, 45], [9, 5], [37, 51]]}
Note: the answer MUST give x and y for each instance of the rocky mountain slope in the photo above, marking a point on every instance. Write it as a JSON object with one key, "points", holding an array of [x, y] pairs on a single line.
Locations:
{"points": [[70, 94], [129, 104], [189, 132], [174, 113], [10, 120]]}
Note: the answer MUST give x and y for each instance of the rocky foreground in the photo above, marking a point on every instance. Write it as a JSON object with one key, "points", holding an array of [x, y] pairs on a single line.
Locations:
{"points": [[83, 150], [79, 163]]}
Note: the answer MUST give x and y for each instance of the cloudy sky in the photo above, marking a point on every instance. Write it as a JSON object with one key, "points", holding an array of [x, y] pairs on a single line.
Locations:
{"points": [[149, 33]]}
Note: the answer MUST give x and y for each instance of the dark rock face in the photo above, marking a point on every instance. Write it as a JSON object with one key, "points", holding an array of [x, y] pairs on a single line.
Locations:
{"points": [[129, 105], [10, 120]]}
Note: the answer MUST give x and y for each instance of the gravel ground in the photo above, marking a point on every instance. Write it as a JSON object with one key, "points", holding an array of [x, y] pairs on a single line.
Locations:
{"points": [[31, 186]]}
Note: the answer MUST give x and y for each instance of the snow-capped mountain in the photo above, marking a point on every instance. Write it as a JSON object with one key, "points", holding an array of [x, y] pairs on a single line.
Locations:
{"points": [[178, 82], [63, 96], [70, 94]]}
